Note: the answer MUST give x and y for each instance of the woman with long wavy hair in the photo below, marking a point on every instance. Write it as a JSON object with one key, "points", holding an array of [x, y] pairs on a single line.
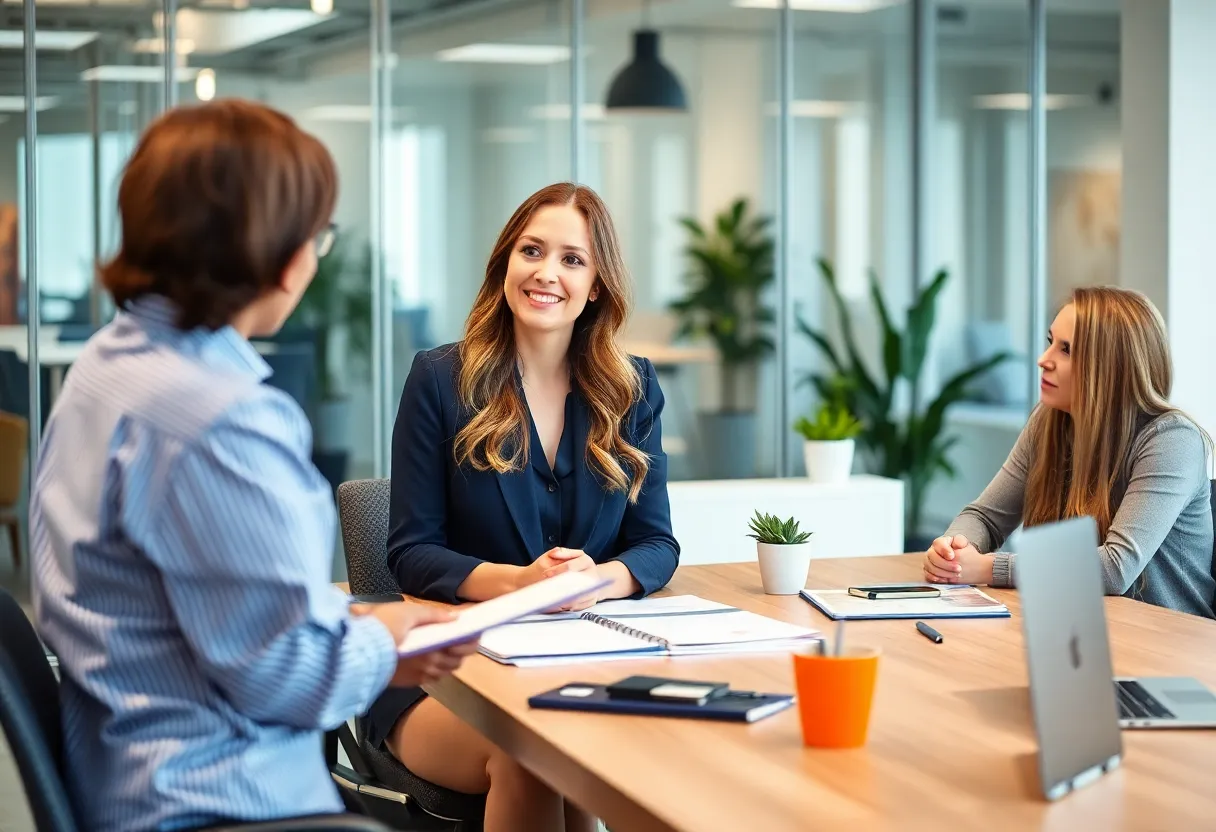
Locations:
{"points": [[1104, 442], [530, 448]]}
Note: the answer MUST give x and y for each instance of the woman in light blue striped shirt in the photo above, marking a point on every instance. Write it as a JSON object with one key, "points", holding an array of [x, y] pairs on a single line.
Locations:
{"points": [[181, 536]]}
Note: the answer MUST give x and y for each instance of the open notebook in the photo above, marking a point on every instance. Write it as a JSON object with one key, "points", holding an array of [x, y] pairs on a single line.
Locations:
{"points": [[681, 625]]}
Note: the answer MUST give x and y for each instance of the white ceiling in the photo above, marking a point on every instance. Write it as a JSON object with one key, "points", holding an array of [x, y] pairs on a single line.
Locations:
{"points": [[284, 37]]}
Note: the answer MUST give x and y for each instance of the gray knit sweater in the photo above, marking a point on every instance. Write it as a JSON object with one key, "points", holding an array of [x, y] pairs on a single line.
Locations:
{"points": [[1162, 528]]}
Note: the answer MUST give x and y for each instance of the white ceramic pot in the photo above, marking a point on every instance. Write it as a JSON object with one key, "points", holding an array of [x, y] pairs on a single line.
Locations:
{"points": [[783, 567], [829, 461]]}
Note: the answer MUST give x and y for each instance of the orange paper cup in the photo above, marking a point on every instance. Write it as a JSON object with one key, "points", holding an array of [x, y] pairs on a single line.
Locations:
{"points": [[834, 697]]}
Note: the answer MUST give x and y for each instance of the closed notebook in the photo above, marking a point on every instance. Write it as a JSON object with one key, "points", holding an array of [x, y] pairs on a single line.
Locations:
{"points": [[731, 707], [954, 602], [669, 626]]}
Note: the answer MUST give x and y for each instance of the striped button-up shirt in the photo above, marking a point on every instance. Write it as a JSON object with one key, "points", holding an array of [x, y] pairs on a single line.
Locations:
{"points": [[182, 543]]}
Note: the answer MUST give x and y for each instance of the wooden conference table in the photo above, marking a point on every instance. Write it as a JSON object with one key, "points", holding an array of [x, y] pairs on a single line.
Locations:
{"points": [[951, 738]]}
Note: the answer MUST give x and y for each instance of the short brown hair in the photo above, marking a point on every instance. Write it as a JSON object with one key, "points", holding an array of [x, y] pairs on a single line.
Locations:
{"points": [[214, 203]]}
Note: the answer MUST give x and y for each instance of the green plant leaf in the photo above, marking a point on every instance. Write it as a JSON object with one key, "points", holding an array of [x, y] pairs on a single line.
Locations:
{"points": [[892, 346], [832, 421], [865, 383], [954, 390], [768, 528], [921, 316], [693, 227], [729, 269], [819, 340]]}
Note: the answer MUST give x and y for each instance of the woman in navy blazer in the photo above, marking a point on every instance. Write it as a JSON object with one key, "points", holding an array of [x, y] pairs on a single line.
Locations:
{"points": [[530, 448]]}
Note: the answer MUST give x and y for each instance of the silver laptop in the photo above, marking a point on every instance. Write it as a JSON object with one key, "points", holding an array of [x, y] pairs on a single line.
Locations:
{"points": [[1077, 709]]}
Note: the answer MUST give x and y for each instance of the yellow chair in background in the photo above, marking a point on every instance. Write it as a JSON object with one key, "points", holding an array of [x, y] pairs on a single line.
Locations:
{"points": [[14, 438]]}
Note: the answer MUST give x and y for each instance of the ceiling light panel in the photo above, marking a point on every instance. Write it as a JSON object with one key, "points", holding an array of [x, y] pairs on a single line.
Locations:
{"points": [[135, 74], [506, 53], [50, 40]]}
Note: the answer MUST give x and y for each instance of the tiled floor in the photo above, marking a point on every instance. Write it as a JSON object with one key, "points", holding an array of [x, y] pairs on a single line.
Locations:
{"points": [[14, 813]]}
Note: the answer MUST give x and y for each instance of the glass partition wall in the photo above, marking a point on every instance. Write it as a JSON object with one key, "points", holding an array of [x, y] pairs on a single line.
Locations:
{"points": [[884, 139]]}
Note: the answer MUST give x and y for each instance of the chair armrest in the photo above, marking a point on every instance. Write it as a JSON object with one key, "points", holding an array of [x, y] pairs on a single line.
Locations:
{"points": [[317, 823]]}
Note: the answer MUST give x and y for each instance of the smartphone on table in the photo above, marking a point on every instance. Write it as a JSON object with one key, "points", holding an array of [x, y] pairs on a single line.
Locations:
{"points": [[891, 592]]}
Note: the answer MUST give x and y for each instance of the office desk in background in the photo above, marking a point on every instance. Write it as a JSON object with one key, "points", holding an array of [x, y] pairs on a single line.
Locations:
{"points": [[671, 362], [951, 741]]}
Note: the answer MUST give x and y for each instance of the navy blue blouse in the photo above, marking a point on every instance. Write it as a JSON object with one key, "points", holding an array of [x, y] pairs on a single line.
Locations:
{"points": [[555, 486]]}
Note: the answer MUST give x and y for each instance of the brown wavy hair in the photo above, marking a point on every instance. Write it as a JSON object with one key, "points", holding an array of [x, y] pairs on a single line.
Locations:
{"points": [[497, 438], [214, 203], [1122, 376]]}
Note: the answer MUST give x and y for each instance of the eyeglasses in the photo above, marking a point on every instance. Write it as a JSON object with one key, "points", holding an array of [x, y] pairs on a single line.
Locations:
{"points": [[324, 241]]}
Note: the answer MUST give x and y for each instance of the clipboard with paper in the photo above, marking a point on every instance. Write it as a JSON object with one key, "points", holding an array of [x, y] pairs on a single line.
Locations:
{"points": [[954, 602]]}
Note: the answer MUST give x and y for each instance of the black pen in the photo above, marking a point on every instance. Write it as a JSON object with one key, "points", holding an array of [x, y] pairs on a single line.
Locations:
{"points": [[928, 632]]}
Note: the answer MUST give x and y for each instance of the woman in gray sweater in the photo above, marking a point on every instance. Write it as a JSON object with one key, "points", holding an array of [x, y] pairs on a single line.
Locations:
{"points": [[1104, 442]]}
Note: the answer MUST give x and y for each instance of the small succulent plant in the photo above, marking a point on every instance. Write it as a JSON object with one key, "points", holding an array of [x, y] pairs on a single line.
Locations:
{"points": [[768, 528]]}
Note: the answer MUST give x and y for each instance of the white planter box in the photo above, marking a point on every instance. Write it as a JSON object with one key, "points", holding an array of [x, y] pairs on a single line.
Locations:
{"points": [[861, 516]]}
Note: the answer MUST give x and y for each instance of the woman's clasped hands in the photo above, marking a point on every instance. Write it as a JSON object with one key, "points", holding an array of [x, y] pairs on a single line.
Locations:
{"points": [[955, 560]]}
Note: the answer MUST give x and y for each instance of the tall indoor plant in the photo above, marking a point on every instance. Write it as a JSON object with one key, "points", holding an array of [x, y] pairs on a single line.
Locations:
{"points": [[337, 301], [731, 264], [910, 445]]}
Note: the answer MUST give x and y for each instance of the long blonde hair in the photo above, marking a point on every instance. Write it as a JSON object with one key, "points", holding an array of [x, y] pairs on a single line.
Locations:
{"points": [[1122, 375], [497, 437]]}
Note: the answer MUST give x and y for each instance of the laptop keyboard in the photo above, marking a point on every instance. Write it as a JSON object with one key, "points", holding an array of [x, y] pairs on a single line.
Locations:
{"points": [[1137, 703]]}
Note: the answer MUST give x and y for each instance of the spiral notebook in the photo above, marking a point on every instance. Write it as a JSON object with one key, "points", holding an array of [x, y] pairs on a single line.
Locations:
{"points": [[651, 627]]}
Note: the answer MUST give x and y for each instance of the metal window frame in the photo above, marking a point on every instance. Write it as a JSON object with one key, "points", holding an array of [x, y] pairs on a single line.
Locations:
{"points": [[33, 309], [1037, 185]]}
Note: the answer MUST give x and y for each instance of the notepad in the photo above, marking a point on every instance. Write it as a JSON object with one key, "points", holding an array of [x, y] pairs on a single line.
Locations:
{"points": [[669, 626], [954, 602], [736, 706]]}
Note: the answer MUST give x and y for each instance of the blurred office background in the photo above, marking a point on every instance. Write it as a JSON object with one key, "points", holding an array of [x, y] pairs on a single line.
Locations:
{"points": [[885, 137]]}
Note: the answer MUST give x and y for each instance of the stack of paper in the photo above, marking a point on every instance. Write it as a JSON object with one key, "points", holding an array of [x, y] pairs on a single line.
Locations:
{"points": [[667, 626], [474, 620]]}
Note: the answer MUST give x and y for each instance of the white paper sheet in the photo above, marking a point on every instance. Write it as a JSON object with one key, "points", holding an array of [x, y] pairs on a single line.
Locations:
{"points": [[476, 619]]}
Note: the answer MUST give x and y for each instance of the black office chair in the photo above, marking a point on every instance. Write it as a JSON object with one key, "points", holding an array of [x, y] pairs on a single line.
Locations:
{"points": [[29, 717], [363, 513]]}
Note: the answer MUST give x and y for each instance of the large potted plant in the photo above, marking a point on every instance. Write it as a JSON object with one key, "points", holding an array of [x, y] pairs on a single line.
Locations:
{"points": [[731, 264], [910, 445], [338, 300]]}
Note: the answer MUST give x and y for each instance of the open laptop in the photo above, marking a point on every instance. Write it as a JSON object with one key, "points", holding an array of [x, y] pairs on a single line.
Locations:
{"points": [[1077, 709]]}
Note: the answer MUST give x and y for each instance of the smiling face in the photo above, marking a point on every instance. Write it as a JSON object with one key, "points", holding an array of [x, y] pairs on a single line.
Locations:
{"points": [[1055, 385], [550, 275]]}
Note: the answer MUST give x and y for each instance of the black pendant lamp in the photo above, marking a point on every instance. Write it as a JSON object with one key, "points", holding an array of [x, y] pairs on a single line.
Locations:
{"points": [[646, 83]]}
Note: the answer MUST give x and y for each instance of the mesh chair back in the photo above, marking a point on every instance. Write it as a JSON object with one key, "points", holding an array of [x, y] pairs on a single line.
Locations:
{"points": [[363, 513]]}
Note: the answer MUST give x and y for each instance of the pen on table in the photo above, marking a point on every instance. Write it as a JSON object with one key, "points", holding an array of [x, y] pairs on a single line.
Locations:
{"points": [[928, 632]]}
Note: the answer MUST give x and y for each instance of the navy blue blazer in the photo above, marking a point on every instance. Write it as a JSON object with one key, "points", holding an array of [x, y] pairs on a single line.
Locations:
{"points": [[445, 520]]}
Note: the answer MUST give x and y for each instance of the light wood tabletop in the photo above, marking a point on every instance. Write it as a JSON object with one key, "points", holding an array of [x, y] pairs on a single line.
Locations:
{"points": [[951, 739]]}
